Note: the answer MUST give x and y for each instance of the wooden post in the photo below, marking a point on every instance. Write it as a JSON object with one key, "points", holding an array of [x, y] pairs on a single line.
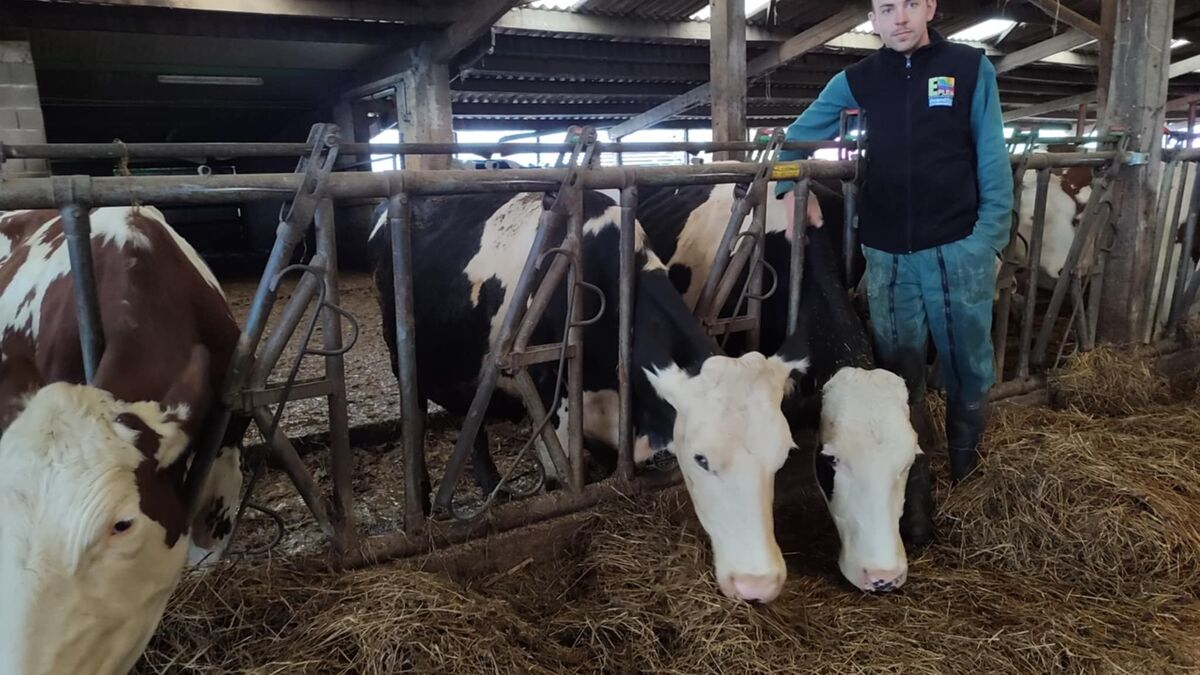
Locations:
{"points": [[1108, 23], [1135, 106], [727, 50], [427, 104], [344, 115]]}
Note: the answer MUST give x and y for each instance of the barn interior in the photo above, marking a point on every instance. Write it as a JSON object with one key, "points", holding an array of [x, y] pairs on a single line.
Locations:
{"points": [[1070, 554], [194, 70]]}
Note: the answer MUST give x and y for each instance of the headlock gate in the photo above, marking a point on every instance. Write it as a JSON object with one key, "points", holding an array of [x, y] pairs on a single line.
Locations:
{"points": [[431, 516]]}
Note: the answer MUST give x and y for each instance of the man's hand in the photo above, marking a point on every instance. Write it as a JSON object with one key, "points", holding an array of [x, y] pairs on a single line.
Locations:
{"points": [[815, 217]]}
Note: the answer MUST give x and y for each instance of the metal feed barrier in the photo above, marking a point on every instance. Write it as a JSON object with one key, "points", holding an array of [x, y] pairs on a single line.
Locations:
{"points": [[1082, 275], [314, 188]]}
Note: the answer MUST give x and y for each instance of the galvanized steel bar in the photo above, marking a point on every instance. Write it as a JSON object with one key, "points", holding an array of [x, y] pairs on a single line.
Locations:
{"points": [[710, 302], [1033, 264], [754, 285], [78, 227], [540, 301], [289, 460], [500, 518], [33, 193], [412, 414], [1089, 223], [1096, 290], [341, 459], [1163, 308], [1185, 258], [799, 233], [626, 281], [1006, 281], [84, 151], [557, 455], [1161, 218], [574, 338], [849, 225], [1182, 154], [285, 326], [1083, 336]]}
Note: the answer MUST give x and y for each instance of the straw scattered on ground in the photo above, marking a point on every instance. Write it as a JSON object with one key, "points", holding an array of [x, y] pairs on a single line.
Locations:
{"points": [[1109, 381], [1076, 549]]}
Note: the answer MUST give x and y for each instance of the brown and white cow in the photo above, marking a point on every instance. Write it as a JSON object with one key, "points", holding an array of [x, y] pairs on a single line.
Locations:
{"points": [[94, 533], [1067, 197]]}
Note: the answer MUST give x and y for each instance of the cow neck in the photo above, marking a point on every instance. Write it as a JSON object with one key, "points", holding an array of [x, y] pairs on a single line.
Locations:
{"points": [[666, 331]]}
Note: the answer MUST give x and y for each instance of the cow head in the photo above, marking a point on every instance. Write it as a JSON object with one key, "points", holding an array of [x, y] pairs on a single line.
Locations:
{"points": [[730, 438], [868, 446], [94, 532]]}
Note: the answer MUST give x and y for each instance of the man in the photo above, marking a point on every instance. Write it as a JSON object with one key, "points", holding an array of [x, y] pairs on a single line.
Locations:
{"points": [[934, 212]]}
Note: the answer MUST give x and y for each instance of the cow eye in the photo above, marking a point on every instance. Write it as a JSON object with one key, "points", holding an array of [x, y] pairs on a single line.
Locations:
{"points": [[702, 461], [122, 526]]}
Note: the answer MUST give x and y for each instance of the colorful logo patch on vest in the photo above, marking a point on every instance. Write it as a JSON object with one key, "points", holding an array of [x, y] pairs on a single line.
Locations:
{"points": [[941, 91]]}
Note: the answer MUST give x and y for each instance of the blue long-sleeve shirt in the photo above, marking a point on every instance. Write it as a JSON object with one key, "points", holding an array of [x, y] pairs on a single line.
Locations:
{"points": [[993, 224]]}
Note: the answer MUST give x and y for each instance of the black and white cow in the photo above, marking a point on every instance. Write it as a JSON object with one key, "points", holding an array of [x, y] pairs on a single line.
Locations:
{"points": [[94, 533], [868, 442], [720, 416]]}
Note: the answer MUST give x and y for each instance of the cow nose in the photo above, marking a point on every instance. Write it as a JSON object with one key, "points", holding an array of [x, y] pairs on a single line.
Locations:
{"points": [[756, 587], [883, 581]]}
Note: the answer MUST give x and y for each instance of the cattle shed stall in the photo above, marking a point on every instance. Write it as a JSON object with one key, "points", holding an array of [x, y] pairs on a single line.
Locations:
{"points": [[1074, 550]]}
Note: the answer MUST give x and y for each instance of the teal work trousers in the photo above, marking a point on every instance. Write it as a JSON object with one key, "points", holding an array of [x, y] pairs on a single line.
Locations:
{"points": [[945, 291]]}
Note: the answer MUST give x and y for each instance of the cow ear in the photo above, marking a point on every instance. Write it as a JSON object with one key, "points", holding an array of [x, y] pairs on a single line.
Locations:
{"points": [[190, 398], [669, 383], [815, 217], [19, 379], [783, 369]]}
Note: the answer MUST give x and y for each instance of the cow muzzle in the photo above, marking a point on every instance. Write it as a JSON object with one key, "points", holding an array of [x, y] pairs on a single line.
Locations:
{"points": [[758, 588]]}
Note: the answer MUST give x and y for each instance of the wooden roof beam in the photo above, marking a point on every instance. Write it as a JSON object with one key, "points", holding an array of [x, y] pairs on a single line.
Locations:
{"points": [[1055, 10], [1041, 50], [477, 19], [361, 10], [777, 56]]}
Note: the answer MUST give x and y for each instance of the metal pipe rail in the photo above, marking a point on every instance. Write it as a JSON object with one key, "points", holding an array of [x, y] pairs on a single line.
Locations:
{"points": [[1181, 154], [39, 193], [62, 151]]}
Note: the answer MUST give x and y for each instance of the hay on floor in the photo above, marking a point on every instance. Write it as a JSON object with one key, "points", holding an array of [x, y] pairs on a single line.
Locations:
{"points": [[1109, 381], [1076, 549]]}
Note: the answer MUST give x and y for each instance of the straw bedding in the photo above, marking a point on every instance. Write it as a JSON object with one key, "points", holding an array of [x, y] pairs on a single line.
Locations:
{"points": [[1076, 549]]}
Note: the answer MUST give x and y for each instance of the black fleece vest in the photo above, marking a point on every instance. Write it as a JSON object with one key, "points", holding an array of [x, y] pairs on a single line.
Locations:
{"points": [[920, 188]]}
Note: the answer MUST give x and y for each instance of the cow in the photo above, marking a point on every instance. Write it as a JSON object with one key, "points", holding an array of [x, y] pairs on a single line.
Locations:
{"points": [[1066, 198], [721, 417], [94, 532], [868, 444]]}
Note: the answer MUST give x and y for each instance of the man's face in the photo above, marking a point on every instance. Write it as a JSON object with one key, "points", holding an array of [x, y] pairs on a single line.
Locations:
{"points": [[903, 25]]}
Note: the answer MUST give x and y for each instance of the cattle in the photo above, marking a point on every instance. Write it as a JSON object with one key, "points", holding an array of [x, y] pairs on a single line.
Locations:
{"points": [[94, 532], [1066, 198], [721, 417], [868, 444]]}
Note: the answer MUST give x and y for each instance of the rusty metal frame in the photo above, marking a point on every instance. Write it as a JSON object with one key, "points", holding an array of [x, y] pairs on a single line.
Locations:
{"points": [[316, 194], [245, 385], [737, 250], [510, 353], [1091, 225]]}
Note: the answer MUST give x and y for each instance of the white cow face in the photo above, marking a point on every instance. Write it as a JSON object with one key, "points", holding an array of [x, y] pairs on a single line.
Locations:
{"points": [[868, 446], [92, 536], [730, 438]]}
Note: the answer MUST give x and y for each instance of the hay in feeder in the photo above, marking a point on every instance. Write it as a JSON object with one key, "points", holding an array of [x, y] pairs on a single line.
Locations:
{"points": [[1075, 550], [1109, 381], [274, 619]]}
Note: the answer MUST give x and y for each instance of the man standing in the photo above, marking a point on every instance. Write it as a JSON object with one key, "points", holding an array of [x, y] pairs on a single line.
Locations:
{"points": [[934, 212]]}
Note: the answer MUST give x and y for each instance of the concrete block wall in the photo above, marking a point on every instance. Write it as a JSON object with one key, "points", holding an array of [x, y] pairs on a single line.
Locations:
{"points": [[21, 118]]}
